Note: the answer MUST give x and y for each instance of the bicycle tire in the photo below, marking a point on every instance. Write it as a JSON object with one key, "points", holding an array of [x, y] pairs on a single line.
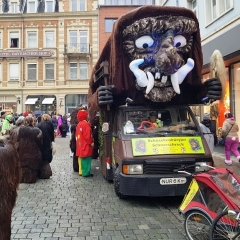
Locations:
{"points": [[197, 225], [225, 226]]}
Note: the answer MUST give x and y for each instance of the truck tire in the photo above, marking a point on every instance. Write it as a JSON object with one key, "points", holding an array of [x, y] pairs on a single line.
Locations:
{"points": [[116, 182]]}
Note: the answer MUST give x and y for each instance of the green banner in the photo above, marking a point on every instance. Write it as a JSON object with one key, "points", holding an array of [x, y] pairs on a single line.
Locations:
{"points": [[167, 145]]}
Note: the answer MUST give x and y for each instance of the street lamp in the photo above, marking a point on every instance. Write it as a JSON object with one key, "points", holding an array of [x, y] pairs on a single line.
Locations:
{"points": [[18, 100]]}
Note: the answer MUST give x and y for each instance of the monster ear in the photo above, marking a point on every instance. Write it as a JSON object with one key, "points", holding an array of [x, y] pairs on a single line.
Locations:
{"points": [[217, 69]]}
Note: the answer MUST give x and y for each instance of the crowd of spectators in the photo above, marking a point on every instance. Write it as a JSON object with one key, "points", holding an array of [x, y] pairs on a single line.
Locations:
{"points": [[33, 136]]}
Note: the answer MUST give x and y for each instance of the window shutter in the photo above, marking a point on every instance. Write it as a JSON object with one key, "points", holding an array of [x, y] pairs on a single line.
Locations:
{"points": [[14, 71], [14, 34]]}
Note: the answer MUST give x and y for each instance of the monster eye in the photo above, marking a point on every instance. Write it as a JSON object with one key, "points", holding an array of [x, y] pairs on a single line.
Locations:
{"points": [[179, 41], [144, 42]]}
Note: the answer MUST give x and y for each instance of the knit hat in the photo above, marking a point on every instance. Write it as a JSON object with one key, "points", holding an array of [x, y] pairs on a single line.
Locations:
{"points": [[206, 116], [25, 114], [82, 115]]}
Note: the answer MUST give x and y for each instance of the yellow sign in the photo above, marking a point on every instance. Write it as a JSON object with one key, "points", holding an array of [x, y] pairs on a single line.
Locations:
{"points": [[193, 189], [167, 145]]}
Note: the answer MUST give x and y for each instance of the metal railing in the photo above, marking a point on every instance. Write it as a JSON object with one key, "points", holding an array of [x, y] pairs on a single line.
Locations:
{"points": [[77, 48]]}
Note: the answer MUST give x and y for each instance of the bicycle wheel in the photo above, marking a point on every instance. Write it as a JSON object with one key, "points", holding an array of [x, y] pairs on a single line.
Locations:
{"points": [[197, 225], [226, 226]]}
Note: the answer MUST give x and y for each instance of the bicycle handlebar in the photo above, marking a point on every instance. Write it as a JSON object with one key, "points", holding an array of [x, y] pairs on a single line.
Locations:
{"points": [[181, 170]]}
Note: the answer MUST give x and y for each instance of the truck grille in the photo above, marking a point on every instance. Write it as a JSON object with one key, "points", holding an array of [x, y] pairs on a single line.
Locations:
{"points": [[167, 166]]}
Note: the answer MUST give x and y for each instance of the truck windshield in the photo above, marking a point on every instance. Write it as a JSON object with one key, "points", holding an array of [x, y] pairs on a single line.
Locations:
{"points": [[160, 122]]}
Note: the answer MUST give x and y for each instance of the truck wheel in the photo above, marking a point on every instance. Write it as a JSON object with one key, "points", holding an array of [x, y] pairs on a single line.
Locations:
{"points": [[116, 182]]}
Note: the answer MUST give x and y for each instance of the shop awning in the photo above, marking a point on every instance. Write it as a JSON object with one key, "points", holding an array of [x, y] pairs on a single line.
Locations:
{"points": [[48, 100], [31, 101]]}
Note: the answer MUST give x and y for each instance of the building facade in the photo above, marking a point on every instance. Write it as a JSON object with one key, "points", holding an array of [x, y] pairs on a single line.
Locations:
{"points": [[110, 10], [47, 52]]}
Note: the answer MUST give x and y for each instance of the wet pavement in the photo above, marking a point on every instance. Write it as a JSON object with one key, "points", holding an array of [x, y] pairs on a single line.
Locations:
{"points": [[70, 207]]}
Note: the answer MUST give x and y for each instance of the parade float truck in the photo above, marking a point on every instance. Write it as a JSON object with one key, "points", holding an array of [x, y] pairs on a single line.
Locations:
{"points": [[151, 65], [142, 157]]}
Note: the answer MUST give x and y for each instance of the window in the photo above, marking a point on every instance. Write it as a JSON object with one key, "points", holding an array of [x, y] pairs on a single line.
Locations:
{"points": [[32, 71], [109, 24], [0, 72], [13, 71], [73, 71], [49, 39], [49, 71], [129, 2], [78, 71], [82, 5], [14, 39], [14, 7], [194, 7], [83, 71], [31, 6], [49, 6], [79, 41], [73, 38], [83, 41], [32, 39], [216, 8], [78, 5]]}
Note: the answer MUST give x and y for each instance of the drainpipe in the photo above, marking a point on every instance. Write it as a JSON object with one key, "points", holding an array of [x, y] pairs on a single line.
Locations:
{"points": [[22, 58]]}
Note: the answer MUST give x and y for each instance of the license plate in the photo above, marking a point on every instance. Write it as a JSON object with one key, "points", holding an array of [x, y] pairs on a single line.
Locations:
{"points": [[171, 181]]}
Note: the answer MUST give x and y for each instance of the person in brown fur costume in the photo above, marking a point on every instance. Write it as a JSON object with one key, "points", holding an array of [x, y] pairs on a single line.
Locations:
{"points": [[30, 144], [9, 181]]}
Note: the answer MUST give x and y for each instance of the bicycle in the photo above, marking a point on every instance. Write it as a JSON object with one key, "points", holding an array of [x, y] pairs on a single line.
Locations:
{"points": [[226, 226], [210, 193]]}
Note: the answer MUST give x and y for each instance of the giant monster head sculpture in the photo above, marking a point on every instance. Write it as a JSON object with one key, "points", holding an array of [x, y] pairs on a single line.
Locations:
{"points": [[154, 55], [159, 48], [154, 49]]}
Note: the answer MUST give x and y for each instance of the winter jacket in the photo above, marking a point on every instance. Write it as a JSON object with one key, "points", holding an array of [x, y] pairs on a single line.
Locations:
{"points": [[84, 139], [63, 128], [54, 122], [48, 137], [227, 124]]}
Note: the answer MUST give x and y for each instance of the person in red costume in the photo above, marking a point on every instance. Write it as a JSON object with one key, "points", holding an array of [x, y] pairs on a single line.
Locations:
{"points": [[84, 144]]}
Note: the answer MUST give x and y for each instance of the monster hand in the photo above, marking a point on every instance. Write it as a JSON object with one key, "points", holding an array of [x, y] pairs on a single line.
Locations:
{"points": [[105, 95], [214, 90]]}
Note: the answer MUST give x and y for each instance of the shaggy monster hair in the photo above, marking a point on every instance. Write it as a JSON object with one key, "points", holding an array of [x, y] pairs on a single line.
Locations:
{"points": [[9, 181]]}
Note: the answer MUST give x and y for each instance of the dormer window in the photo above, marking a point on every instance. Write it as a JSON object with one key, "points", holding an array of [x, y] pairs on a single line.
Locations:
{"points": [[14, 7], [31, 6], [49, 6]]}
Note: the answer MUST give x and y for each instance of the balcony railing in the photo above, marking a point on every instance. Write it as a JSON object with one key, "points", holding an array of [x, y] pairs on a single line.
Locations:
{"points": [[77, 48]]}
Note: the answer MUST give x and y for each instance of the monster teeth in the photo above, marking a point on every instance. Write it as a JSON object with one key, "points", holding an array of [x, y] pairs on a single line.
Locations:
{"points": [[157, 75], [150, 82], [164, 79], [140, 75], [175, 84]]}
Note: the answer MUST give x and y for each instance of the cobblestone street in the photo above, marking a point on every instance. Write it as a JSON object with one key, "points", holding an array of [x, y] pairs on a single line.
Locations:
{"points": [[68, 206]]}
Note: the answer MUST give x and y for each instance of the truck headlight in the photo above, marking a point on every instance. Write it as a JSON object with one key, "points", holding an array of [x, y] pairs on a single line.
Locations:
{"points": [[201, 167], [133, 169]]}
